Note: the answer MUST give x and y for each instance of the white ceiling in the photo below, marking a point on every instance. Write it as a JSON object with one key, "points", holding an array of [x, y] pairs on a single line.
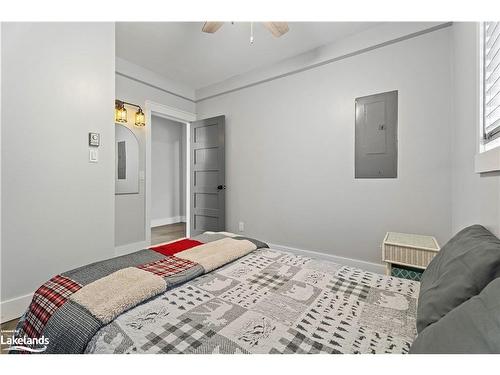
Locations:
{"points": [[182, 52]]}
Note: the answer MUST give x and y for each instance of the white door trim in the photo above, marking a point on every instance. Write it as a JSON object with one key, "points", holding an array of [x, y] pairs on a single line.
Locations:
{"points": [[184, 118]]}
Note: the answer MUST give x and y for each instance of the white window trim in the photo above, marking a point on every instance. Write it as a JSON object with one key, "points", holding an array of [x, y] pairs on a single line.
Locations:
{"points": [[487, 158]]}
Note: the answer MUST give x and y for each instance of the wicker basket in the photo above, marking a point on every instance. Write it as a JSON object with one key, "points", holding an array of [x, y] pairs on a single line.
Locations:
{"points": [[409, 249]]}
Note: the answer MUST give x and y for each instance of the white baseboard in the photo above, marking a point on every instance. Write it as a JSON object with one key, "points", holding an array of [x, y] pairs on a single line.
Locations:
{"points": [[367, 266], [131, 247], [14, 308], [167, 220]]}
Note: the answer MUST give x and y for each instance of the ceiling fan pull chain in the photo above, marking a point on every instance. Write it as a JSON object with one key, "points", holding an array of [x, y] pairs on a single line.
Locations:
{"points": [[251, 32]]}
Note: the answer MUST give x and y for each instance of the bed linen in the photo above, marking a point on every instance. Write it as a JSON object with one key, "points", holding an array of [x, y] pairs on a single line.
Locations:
{"points": [[271, 302], [68, 310], [249, 299]]}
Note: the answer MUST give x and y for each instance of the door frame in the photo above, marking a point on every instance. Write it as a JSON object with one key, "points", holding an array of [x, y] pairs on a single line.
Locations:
{"points": [[185, 118]]}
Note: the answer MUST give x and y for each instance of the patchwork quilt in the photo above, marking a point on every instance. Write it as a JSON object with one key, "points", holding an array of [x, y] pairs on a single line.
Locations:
{"points": [[220, 293], [70, 308], [271, 302]]}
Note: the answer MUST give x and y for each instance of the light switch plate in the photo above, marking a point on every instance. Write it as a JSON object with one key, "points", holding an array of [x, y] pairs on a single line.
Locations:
{"points": [[93, 155], [94, 139]]}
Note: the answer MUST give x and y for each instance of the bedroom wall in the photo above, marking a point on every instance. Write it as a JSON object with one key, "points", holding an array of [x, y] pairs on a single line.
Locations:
{"points": [[475, 197], [57, 208], [137, 85], [168, 171], [290, 152]]}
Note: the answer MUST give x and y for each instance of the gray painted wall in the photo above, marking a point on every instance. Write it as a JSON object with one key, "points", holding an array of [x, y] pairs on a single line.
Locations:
{"points": [[129, 209], [168, 170], [475, 198], [57, 208], [290, 152]]}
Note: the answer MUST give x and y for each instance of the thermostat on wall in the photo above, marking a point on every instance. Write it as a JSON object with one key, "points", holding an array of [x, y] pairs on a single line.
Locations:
{"points": [[94, 139]]}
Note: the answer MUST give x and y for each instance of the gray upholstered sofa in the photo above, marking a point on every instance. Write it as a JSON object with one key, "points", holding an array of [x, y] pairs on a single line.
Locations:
{"points": [[459, 302]]}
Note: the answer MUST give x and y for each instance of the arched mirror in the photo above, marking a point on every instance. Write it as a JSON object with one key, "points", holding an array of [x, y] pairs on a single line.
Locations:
{"points": [[126, 161]]}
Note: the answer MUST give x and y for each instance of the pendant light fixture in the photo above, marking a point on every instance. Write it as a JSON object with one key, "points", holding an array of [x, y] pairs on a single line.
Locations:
{"points": [[121, 113]]}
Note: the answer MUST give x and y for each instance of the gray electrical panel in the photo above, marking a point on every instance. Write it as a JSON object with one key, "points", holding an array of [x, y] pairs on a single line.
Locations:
{"points": [[376, 144]]}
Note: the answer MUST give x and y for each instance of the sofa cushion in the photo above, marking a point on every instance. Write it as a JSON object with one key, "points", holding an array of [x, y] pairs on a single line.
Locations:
{"points": [[472, 327], [461, 269]]}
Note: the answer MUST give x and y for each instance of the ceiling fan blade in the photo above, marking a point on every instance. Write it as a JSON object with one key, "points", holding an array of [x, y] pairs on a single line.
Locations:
{"points": [[277, 28], [211, 27]]}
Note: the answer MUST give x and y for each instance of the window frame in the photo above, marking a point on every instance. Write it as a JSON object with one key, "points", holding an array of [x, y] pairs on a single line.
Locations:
{"points": [[491, 139]]}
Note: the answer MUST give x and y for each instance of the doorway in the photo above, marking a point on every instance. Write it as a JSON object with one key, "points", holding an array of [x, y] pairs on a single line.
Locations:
{"points": [[204, 175], [168, 180]]}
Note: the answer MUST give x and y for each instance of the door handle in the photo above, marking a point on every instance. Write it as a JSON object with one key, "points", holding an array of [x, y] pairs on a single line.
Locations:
{"points": [[221, 187]]}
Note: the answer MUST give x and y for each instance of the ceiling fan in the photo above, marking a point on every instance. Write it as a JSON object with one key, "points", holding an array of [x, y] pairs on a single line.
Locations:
{"points": [[276, 28]]}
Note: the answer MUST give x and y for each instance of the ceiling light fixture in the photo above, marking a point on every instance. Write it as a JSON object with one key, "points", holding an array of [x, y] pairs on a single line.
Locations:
{"points": [[121, 113], [276, 28]]}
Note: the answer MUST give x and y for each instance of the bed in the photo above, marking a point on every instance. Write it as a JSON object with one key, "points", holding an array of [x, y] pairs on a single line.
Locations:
{"points": [[223, 293], [271, 302], [220, 293]]}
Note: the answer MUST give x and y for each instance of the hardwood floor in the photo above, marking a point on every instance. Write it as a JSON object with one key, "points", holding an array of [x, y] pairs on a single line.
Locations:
{"points": [[4, 331], [167, 233]]}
